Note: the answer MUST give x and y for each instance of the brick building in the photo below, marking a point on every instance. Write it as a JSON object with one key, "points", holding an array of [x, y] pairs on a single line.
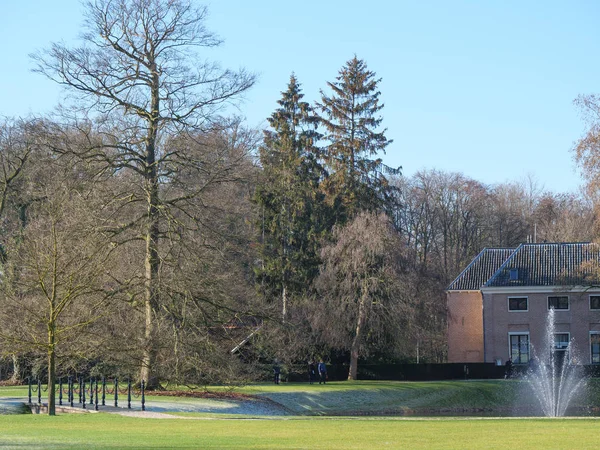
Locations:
{"points": [[497, 306]]}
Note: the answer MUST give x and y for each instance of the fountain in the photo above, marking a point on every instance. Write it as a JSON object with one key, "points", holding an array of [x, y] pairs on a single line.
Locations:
{"points": [[554, 382]]}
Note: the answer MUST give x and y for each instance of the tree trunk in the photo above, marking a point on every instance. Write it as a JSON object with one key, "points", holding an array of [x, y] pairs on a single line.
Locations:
{"points": [[151, 292], [151, 300], [284, 303], [16, 375], [362, 315], [51, 369]]}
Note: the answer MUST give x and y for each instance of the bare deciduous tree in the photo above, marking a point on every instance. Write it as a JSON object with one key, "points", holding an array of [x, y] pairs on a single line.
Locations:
{"points": [[587, 148], [17, 143], [54, 282], [140, 74], [564, 218], [361, 286], [444, 218]]}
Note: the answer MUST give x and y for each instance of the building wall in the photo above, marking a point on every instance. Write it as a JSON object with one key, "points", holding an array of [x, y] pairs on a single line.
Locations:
{"points": [[465, 327], [498, 321]]}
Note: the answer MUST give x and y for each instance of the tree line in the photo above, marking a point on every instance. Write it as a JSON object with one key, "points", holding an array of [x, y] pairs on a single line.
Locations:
{"points": [[145, 230]]}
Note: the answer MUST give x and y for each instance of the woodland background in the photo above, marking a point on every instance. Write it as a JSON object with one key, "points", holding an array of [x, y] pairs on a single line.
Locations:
{"points": [[147, 230]]}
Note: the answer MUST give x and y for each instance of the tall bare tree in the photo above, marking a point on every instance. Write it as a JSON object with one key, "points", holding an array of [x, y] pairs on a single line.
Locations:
{"points": [[140, 76]]}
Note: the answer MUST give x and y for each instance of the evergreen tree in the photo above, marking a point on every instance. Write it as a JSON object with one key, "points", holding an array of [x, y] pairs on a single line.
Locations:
{"points": [[350, 117], [289, 197]]}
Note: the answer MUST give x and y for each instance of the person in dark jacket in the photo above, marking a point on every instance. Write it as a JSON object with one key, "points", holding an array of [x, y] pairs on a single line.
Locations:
{"points": [[508, 368], [322, 369], [276, 373], [312, 372]]}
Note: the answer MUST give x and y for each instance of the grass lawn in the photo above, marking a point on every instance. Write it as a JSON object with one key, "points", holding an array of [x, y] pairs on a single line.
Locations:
{"points": [[361, 397], [103, 431], [309, 428], [376, 397], [382, 397], [372, 397], [13, 391]]}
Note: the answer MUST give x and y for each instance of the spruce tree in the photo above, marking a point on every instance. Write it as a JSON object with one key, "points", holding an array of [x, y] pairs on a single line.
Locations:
{"points": [[356, 177], [289, 199]]}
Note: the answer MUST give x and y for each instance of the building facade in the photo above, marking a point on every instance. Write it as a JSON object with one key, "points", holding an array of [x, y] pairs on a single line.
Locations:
{"points": [[497, 307]]}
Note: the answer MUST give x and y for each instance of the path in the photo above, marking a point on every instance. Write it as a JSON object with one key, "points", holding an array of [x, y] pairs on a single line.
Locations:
{"points": [[159, 408]]}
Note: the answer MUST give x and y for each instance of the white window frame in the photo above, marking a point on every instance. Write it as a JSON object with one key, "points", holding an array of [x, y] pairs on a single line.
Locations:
{"points": [[556, 309], [521, 333], [590, 345], [590, 302], [517, 310], [568, 340]]}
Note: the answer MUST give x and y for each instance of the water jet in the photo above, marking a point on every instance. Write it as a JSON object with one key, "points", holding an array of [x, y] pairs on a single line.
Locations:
{"points": [[555, 375]]}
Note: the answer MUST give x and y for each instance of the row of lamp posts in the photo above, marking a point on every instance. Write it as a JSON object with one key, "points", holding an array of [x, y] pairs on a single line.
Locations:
{"points": [[94, 388]]}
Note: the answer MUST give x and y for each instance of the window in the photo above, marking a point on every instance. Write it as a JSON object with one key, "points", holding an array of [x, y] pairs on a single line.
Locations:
{"points": [[561, 341], [595, 347], [519, 348], [514, 274], [594, 301], [559, 302], [517, 304]]}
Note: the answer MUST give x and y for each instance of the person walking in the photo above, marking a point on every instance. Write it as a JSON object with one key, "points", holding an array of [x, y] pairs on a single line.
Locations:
{"points": [[508, 369], [312, 372], [322, 369], [276, 372]]}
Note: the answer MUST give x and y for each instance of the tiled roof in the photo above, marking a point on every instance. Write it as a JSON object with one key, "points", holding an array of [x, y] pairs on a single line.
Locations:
{"points": [[481, 269], [560, 264]]}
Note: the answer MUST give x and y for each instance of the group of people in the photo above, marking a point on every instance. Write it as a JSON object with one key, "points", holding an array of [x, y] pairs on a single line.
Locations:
{"points": [[314, 370]]}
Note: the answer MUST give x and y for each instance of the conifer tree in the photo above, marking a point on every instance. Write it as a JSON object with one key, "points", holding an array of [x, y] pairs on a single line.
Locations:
{"points": [[356, 180], [289, 197]]}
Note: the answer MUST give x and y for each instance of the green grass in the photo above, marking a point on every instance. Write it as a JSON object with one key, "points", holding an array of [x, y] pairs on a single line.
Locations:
{"points": [[384, 397], [365, 397], [305, 430], [376, 397], [13, 391], [102, 431]]}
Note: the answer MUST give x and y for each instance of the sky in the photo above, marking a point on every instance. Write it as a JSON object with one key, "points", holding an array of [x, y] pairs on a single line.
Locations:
{"points": [[485, 88]]}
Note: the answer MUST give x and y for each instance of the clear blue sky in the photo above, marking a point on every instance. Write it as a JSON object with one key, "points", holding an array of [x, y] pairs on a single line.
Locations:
{"points": [[481, 87]]}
